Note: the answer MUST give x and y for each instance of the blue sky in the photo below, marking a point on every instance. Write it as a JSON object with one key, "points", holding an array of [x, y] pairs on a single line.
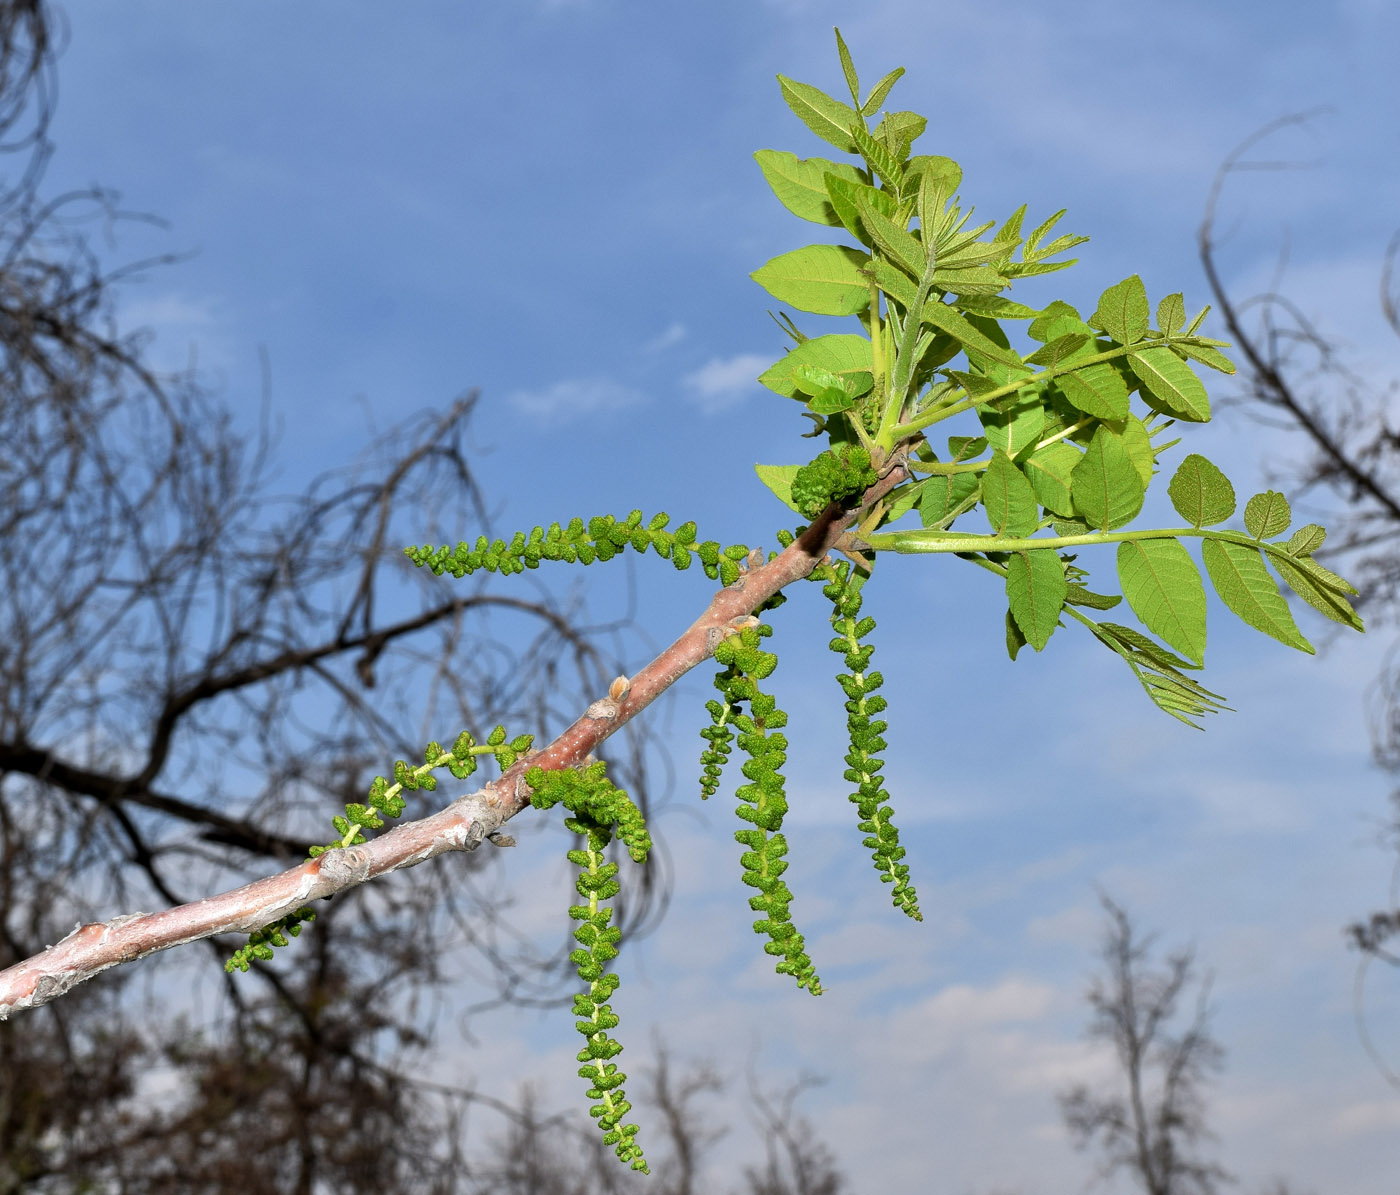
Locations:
{"points": [[555, 201]]}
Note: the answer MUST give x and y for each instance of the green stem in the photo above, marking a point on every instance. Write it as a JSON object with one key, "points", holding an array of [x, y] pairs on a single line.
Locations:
{"points": [[919, 542], [929, 418]]}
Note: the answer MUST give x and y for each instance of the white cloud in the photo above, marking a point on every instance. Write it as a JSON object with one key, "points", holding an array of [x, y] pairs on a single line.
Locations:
{"points": [[574, 397], [721, 383], [672, 336]]}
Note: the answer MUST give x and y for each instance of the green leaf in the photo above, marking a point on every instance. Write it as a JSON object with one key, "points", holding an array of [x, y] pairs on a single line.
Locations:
{"points": [[1050, 471], [1206, 355], [844, 195], [996, 307], [893, 241], [1013, 423], [778, 478], [1306, 540], [1169, 385], [799, 184], [1139, 446], [829, 119], [1244, 585], [1267, 515], [1035, 591], [1201, 493], [1097, 390], [1062, 348], [1326, 601], [1323, 576], [974, 280], [844, 354], [831, 401], [1156, 670], [1106, 486], [1171, 314], [1056, 320], [881, 161], [848, 68], [939, 178], [1122, 311], [1008, 498], [964, 448], [825, 279], [1078, 595], [880, 91], [1014, 639], [944, 493], [1162, 586], [898, 131], [947, 319]]}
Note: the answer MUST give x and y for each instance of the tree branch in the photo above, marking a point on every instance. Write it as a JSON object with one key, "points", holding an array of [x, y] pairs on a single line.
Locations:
{"points": [[461, 826]]}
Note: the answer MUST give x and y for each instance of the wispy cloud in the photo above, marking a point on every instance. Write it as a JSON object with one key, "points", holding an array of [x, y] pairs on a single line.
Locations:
{"points": [[672, 336], [574, 397], [722, 383]]}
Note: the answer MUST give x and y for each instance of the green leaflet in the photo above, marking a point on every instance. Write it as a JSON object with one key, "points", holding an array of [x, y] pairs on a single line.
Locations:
{"points": [[829, 119], [1323, 576], [824, 279], [1050, 471], [1206, 355], [1171, 314], [1267, 515], [996, 307], [1079, 595], [799, 185], [1306, 540], [1201, 493], [1122, 311], [778, 478], [948, 319], [939, 178], [1169, 384], [1056, 320], [844, 353], [1106, 485], [975, 280], [964, 448], [1157, 670], [1062, 348], [1014, 639], [877, 97], [1322, 599], [1139, 446], [845, 196], [1244, 585], [943, 494], [881, 161], [1007, 497], [1162, 586], [1035, 592], [1014, 423], [848, 68], [1096, 390], [893, 241]]}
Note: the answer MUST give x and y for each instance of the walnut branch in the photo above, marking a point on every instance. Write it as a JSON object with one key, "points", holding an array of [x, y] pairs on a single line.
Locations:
{"points": [[461, 826]]}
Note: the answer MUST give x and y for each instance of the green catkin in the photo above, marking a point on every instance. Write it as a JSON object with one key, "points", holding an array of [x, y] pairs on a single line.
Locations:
{"points": [[866, 735], [601, 538], [599, 810], [762, 801]]}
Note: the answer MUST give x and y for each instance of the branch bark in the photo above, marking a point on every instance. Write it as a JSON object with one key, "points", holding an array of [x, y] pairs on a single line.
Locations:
{"points": [[461, 826]]}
